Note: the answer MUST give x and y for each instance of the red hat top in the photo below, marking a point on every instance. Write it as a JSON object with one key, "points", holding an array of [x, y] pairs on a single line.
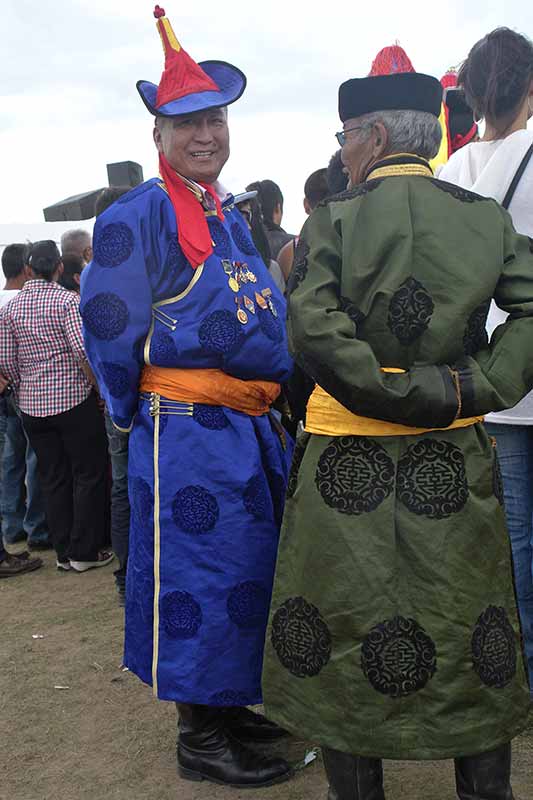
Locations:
{"points": [[182, 75], [391, 60], [449, 79]]}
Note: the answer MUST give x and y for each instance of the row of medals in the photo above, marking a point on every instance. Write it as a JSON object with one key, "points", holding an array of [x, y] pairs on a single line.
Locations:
{"points": [[239, 275]]}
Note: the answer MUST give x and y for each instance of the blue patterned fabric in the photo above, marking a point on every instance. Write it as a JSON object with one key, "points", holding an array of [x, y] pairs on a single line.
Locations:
{"points": [[222, 474]]}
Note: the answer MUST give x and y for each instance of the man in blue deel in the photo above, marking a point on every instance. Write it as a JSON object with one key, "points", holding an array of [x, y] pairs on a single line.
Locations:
{"points": [[184, 329]]}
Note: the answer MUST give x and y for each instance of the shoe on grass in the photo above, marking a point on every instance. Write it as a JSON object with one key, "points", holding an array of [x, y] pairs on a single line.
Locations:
{"points": [[17, 565], [104, 558]]}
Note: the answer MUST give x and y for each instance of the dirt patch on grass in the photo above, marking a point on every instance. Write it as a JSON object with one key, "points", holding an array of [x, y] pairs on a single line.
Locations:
{"points": [[105, 737]]}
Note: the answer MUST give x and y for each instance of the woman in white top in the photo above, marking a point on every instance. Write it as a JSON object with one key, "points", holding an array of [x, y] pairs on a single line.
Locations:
{"points": [[497, 79]]}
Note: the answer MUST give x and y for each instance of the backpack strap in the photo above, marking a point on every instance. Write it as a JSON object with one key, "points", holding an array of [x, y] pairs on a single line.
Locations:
{"points": [[516, 180]]}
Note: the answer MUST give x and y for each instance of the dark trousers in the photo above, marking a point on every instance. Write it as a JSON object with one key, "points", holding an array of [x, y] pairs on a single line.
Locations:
{"points": [[72, 463], [120, 504]]}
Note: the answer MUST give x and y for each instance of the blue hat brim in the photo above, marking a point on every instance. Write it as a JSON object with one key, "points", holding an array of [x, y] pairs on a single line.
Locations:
{"points": [[230, 80]]}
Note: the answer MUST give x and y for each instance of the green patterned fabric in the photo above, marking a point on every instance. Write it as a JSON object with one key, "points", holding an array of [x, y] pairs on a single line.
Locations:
{"points": [[394, 630]]}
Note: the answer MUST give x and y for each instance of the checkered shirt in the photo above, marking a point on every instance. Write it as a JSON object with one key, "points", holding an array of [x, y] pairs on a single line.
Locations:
{"points": [[41, 349]]}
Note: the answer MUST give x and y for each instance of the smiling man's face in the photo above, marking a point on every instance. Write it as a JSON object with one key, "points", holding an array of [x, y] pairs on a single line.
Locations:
{"points": [[195, 145]]}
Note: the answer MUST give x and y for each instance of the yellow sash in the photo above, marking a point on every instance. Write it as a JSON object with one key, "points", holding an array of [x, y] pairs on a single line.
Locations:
{"points": [[328, 417]]}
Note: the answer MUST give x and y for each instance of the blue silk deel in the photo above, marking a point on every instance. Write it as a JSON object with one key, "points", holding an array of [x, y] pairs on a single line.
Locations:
{"points": [[206, 483]]}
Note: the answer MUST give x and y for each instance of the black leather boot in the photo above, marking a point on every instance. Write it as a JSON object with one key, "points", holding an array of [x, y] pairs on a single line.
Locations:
{"points": [[206, 751], [353, 777], [486, 776], [249, 726]]}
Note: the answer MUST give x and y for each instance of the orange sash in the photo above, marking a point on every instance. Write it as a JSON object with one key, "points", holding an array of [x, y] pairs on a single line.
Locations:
{"points": [[212, 387]]}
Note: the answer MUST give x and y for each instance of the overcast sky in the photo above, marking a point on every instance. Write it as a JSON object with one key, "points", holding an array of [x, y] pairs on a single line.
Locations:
{"points": [[69, 103]]}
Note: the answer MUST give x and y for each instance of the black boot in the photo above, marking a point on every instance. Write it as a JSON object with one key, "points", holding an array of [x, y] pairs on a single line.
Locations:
{"points": [[207, 751], [486, 776], [353, 777], [249, 726]]}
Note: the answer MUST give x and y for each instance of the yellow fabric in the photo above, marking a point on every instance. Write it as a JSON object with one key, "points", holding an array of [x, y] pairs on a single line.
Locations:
{"points": [[400, 169], [212, 387], [328, 417], [442, 156]]}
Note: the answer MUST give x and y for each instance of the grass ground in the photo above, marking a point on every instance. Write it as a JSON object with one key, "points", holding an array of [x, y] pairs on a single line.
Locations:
{"points": [[105, 737]]}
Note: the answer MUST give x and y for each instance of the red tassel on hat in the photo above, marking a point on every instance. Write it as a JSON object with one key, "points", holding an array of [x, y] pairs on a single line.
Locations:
{"points": [[391, 60]]}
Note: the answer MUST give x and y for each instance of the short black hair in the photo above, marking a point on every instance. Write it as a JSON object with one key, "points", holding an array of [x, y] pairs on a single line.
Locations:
{"points": [[72, 265], [269, 197], [336, 176], [14, 259], [316, 187], [109, 196], [44, 258]]}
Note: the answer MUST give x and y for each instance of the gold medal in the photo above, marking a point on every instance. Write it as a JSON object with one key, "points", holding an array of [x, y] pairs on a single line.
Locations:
{"points": [[242, 316], [233, 284], [260, 300], [249, 304]]}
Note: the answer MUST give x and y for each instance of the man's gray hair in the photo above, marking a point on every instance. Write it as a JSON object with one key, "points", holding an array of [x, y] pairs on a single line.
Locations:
{"points": [[75, 241], [417, 132]]}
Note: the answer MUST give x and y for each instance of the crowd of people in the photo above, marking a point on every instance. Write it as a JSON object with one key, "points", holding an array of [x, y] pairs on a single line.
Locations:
{"points": [[314, 514]]}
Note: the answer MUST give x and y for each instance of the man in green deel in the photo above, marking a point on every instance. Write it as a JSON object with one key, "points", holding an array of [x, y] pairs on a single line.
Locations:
{"points": [[394, 630]]}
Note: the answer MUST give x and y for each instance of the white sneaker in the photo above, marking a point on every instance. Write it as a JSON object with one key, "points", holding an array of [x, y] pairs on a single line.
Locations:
{"points": [[104, 558], [63, 565]]}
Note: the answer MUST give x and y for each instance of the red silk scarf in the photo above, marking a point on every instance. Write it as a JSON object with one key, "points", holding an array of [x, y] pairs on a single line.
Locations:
{"points": [[194, 236]]}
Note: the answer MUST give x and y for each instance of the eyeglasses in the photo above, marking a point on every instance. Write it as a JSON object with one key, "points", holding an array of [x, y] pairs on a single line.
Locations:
{"points": [[341, 135]]}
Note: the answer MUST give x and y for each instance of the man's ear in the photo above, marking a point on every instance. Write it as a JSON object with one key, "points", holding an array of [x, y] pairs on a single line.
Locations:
{"points": [[77, 278], [380, 140], [307, 207], [157, 138]]}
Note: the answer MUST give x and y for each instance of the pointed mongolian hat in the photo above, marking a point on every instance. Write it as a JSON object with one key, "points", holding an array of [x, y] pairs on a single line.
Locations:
{"points": [[185, 86]]}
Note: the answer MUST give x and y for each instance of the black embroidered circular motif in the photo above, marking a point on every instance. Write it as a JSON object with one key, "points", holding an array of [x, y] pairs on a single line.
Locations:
{"points": [[210, 417], [410, 311], [475, 336], [256, 498], [497, 482], [494, 648], [270, 325], [114, 244], [116, 378], [195, 510], [431, 479], [349, 308], [163, 350], [299, 266], [220, 332], [297, 458], [301, 638], [175, 261], [229, 697], [242, 240], [105, 315], [181, 615], [354, 475], [398, 658], [220, 237], [247, 605]]}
